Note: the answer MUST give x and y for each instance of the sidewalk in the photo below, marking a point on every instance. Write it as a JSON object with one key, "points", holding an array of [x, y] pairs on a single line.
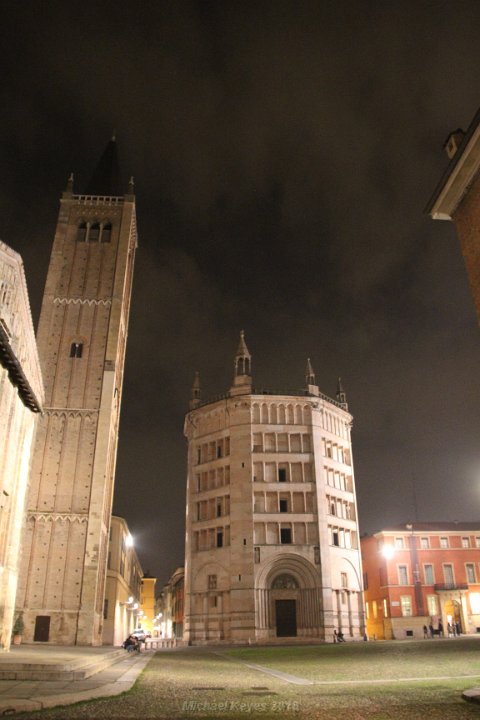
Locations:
{"points": [[35, 677]]}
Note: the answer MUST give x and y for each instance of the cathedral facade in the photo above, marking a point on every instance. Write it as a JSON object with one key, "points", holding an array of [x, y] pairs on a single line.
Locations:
{"points": [[81, 341], [21, 400], [272, 544]]}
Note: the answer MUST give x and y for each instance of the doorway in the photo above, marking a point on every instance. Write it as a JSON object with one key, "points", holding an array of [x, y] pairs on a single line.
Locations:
{"points": [[286, 614], [42, 628]]}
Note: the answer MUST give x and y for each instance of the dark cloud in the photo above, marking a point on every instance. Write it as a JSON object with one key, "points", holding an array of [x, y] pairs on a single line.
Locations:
{"points": [[283, 154]]}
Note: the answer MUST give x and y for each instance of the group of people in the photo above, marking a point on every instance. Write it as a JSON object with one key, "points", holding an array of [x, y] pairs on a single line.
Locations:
{"points": [[453, 629], [132, 644]]}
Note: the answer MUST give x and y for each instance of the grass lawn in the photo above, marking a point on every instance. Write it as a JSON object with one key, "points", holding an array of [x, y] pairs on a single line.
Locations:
{"points": [[194, 683], [367, 661]]}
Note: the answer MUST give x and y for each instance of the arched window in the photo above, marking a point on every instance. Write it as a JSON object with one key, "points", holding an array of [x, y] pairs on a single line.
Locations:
{"points": [[94, 233], [106, 233], [290, 418], [265, 413], [82, 232], [76, 350]]}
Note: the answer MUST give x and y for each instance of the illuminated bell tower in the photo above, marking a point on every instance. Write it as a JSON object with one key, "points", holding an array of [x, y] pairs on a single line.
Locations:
{"points": [[81, 340]]}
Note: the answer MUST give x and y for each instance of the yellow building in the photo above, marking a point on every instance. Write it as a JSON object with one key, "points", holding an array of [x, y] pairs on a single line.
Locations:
{"points": [[147, 603]]}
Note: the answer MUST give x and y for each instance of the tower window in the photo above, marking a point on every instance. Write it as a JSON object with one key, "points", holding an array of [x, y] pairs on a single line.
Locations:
{"points": [[282, 475], [76, 350], [285, 536], [219, 539], [82, 232], [94, 233], [283, 505], [106, 233]]}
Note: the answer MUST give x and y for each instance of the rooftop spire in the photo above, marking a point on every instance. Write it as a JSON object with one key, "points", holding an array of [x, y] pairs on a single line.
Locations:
{"points": [[309, 374], [312, 387], [106, 178], [341, 394], [242, 378], [196, 392]]}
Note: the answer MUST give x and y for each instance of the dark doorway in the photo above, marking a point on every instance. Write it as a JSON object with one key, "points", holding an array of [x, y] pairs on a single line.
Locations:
{"points": [[286, 612], [42, 628]]}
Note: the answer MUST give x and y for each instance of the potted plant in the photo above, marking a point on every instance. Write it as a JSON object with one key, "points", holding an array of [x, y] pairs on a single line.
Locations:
{"points": [[17, 630]]}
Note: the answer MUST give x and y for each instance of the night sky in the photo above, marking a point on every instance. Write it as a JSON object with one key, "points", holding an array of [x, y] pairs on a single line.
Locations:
{"points": [[283, 155]]}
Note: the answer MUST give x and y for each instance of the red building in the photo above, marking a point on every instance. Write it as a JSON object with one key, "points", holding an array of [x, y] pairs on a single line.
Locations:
{"points": [[422, 574]]}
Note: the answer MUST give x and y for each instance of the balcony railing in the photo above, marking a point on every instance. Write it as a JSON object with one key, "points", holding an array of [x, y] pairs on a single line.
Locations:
{"points": [[450, 586]]}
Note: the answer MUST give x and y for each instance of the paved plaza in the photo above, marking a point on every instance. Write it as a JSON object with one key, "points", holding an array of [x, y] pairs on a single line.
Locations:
{"points": [[405, 680]]}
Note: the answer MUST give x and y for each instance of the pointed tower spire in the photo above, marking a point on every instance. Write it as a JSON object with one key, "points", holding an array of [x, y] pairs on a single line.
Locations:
{"points": [[106, 180], [341, 394], [68, 192], [242, 377], [196, 392], [309, 374], [312, 387]]}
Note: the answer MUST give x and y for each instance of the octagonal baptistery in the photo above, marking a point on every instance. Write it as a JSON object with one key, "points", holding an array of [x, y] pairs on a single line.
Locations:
{"points": [[272, 545]]}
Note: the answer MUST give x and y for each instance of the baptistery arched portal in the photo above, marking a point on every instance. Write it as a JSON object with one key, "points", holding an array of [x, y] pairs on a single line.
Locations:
{"points": [[288, 601], [285, 598]]}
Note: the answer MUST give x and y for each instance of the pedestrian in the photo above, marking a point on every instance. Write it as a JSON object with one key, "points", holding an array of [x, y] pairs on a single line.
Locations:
{"points": [[432, 631], [440, 628], [131, 644], [340, 636], [425, 632], [335, 638]]}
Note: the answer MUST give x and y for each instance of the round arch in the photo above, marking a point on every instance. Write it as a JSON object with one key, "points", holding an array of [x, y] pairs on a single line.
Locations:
{"points": [[289, 564]]}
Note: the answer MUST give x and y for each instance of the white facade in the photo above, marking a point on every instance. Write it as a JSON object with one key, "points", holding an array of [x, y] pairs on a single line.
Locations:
{"points": [[272, 547], [21, 398]]}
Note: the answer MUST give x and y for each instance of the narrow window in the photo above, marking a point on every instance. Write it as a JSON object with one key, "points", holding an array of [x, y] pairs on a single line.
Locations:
{"points": [[402, 575], [429, 574], [448, 574], [219, 510], [406, 605], [285, 536], [283, 505], [94, 233], [465, 542], [219, 539], [424, 544], [105, 608], [82, 232], [76, 350], [106, 233], [470, 568], [282, 475], [212, 582], [257, 554], [336, 538], [444, 542]]}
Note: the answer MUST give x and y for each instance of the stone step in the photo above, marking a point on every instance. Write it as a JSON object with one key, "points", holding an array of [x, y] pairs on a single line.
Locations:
{"points": [[73, 669]]}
